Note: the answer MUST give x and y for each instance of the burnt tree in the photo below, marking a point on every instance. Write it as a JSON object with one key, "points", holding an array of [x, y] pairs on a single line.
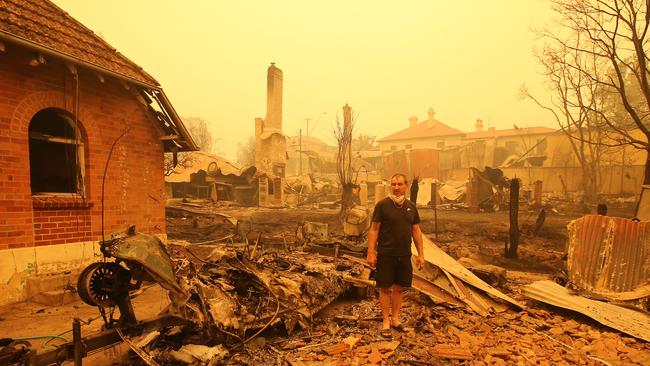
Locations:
{"points": [[513, 242], [613, 36], [343, 135]]}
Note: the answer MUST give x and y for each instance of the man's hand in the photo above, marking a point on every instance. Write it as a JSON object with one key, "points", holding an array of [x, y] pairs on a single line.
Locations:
{"points": [[420, 261], [372, 258]]}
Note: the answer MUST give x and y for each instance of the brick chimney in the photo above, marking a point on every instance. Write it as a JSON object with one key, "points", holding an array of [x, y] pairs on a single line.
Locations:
{"points": [[273, 120], [431, 113], [479, 125], [413, 120]]}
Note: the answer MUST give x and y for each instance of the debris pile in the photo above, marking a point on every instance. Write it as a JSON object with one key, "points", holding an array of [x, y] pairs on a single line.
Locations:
{"points": [[436, 335], [632, 322], [310, 189], [197, 223], [234, 292], [202, 175], [607, 260]]}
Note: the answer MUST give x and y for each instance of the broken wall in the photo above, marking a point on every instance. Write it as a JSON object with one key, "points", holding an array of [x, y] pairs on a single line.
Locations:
{"points": [[614, 179]]}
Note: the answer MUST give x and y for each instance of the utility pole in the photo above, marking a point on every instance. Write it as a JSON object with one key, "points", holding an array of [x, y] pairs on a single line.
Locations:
{"points": [[300, 151], [307, 121]]}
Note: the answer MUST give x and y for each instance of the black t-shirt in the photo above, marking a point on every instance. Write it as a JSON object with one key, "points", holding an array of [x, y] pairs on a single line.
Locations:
{"points": [[396, 227]]}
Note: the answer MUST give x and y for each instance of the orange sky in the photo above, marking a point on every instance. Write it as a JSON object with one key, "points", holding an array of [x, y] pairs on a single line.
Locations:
{"points": [[387, 59]]}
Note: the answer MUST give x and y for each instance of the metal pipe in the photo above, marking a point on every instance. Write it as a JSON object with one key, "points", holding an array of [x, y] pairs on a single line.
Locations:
{"points": [[76, 341], [96, 341]]}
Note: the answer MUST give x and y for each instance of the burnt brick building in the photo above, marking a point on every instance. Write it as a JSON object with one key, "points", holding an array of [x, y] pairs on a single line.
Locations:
{"points": [[68, 102]]}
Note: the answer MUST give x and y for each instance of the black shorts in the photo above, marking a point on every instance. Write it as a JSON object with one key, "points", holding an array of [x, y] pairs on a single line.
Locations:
{"points": [[393, 270]]}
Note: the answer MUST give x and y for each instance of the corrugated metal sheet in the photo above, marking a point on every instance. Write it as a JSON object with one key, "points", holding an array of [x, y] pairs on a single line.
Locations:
{"points": [[609, 257], [634, 323], [199, 160], [436, 256]]}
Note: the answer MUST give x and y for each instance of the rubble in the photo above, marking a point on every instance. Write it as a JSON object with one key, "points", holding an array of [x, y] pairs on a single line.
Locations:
{"points": [[200, 223], [232, 292], [236, 293], [452, 191], [438, 336], [605, 261], [255, 305]]}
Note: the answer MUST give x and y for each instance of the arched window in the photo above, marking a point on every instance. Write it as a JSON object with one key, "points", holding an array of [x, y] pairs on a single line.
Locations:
{"points": [[55, 153]]}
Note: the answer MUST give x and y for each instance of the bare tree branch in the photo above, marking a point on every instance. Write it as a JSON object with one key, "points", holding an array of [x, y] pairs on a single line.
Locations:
{"points": [[597, 65]]}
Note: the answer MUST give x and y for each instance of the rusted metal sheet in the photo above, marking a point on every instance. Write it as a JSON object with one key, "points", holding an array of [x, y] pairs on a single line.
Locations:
{"points": [[199, 160], [632, 322], [148, 251], [609, 257]]}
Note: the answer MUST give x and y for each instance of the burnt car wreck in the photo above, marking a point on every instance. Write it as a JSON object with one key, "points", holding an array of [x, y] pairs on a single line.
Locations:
{"points": [[227, 298]]}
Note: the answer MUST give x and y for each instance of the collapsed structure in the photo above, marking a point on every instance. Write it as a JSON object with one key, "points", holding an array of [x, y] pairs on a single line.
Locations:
{"points": [[270, 143], [208, 176], [607, 265]]}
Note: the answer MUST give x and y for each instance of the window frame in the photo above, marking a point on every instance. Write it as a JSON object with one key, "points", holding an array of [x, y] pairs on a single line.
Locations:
{"points": [[80, 181]]}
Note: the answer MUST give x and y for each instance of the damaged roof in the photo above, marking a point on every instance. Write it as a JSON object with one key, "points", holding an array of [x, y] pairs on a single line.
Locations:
{"points": [[42, 26], [199, 160]]}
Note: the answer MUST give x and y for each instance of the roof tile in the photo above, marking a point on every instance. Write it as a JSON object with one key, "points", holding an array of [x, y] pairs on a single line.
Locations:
{"points": [[509, 132], [423, 129], [43, 23]]}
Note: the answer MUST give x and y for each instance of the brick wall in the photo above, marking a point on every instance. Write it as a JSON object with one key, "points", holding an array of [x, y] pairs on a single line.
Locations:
{"points": [[134, 191], [60, 221]]}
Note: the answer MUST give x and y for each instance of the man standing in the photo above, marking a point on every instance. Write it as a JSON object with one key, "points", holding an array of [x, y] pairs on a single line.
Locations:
{"points": [[395, 222]]}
